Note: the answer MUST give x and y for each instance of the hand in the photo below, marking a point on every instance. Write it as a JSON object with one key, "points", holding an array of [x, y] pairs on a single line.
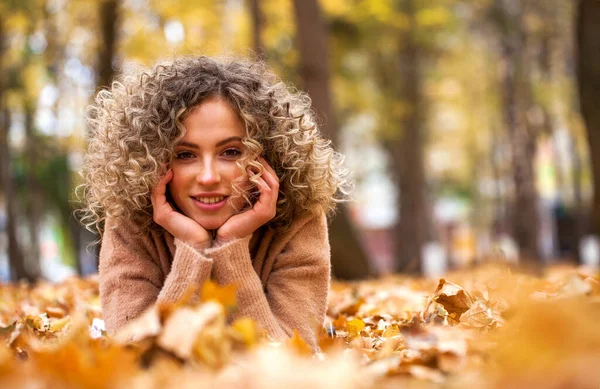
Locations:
{"points": [[245, 223], [179, 225]]}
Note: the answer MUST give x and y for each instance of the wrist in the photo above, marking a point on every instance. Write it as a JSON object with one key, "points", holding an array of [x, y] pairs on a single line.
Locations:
{"points": [[199, 245], [221, 240]]}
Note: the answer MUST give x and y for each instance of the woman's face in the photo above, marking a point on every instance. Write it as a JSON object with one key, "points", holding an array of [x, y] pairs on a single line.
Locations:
{"points": [[205, 164]]}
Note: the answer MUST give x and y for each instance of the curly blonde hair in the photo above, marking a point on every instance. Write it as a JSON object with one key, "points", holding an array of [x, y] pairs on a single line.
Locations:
{"points": [[135, 125]]}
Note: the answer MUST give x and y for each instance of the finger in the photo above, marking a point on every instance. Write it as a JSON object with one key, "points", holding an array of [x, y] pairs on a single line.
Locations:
{"points": [[271, 180], [161, 186], [158, 196], [267, 202], [261, 184], [267, 167]]}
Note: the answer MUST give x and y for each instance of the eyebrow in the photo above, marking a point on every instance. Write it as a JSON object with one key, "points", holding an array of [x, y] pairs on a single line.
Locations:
{"points": [[219, 143]]}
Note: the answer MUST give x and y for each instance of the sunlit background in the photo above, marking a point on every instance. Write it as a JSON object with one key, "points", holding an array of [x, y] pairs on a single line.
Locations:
{"points": [[460, 119]]}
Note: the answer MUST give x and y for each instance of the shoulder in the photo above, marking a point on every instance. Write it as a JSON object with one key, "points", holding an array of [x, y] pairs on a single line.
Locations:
{"points": [[305, 225], [306, 237], [125, 229], [122, 235]]}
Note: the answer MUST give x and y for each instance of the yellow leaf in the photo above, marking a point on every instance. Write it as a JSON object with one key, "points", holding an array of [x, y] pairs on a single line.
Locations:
{"points": [[224, 295], [354, 327], [59, 324], [391, 330], [247, 329]]}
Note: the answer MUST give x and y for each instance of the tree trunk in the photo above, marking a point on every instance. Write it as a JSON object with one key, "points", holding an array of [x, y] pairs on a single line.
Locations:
{"points": [[54, 56], [34, 196], [588, 67], [258, 21], [522, 137], [407, 154], [348, 258], [109, 14], [15, 254]]}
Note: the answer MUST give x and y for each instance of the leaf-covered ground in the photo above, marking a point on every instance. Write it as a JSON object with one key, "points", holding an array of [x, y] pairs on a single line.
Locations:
{"points": [[490, 327]]}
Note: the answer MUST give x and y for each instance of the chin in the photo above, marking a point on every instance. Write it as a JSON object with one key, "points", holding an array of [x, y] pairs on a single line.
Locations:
{"points": [[211, 224]]}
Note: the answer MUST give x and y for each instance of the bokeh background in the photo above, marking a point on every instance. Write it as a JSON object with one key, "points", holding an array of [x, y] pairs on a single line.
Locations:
{"points": [[470, 124]]}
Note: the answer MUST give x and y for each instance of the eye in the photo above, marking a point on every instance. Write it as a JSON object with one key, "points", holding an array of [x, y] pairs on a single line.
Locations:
{"points": [[184, 155], [232, 153]]}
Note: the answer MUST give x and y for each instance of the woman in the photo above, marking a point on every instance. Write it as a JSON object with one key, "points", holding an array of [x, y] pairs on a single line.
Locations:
{"points": [[198, 169]]}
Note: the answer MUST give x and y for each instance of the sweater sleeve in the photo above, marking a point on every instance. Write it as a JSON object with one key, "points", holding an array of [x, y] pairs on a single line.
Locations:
{"points": [[295, 296], [131, 278]]}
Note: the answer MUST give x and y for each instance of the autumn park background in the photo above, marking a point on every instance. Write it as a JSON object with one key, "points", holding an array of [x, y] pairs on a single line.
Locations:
{"points": [[472, 128], [462, 120]]}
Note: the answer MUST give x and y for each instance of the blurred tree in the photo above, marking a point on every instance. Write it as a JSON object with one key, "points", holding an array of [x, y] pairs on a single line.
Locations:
{"points": [[109, 29], [61, 183], [106, 61], [383, 68], [406, 150], [588, 67], [348, 258], [258, 21], [15, 253], [517, 102], [33, 195]]}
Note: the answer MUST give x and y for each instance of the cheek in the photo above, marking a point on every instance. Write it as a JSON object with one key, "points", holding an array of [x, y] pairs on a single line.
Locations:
{"points": [[178, 182]]}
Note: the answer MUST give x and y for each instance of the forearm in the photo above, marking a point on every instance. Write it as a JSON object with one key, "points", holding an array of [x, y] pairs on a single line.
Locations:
{"points": [[190, 269], [233, 265]]}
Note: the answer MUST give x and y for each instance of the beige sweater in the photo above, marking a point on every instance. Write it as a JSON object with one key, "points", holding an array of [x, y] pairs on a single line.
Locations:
{"points": [[282, 279]]}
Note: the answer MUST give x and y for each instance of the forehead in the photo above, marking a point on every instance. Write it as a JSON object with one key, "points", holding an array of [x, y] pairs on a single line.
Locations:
{"points": [[213, 119]]}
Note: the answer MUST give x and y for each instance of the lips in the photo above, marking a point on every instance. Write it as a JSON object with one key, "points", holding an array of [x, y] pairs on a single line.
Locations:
{"points": [[209, 200], [209, 203]]}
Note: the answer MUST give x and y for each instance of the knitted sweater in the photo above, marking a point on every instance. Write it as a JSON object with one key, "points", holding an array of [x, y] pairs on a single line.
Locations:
{"points": [[282, 279]]}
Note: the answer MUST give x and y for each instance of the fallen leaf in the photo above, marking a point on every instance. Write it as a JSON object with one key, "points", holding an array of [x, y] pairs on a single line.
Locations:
{"points": [[453, 298], [181, 329]]}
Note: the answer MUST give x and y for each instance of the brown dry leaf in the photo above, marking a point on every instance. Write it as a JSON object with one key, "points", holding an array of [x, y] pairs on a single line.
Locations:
{"points": [[56, 312], [480, 315], [391, 345], [453, 298]]}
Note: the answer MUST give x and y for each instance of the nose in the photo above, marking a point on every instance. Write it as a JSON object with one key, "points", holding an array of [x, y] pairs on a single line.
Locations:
{"points": [[208, 174]]}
